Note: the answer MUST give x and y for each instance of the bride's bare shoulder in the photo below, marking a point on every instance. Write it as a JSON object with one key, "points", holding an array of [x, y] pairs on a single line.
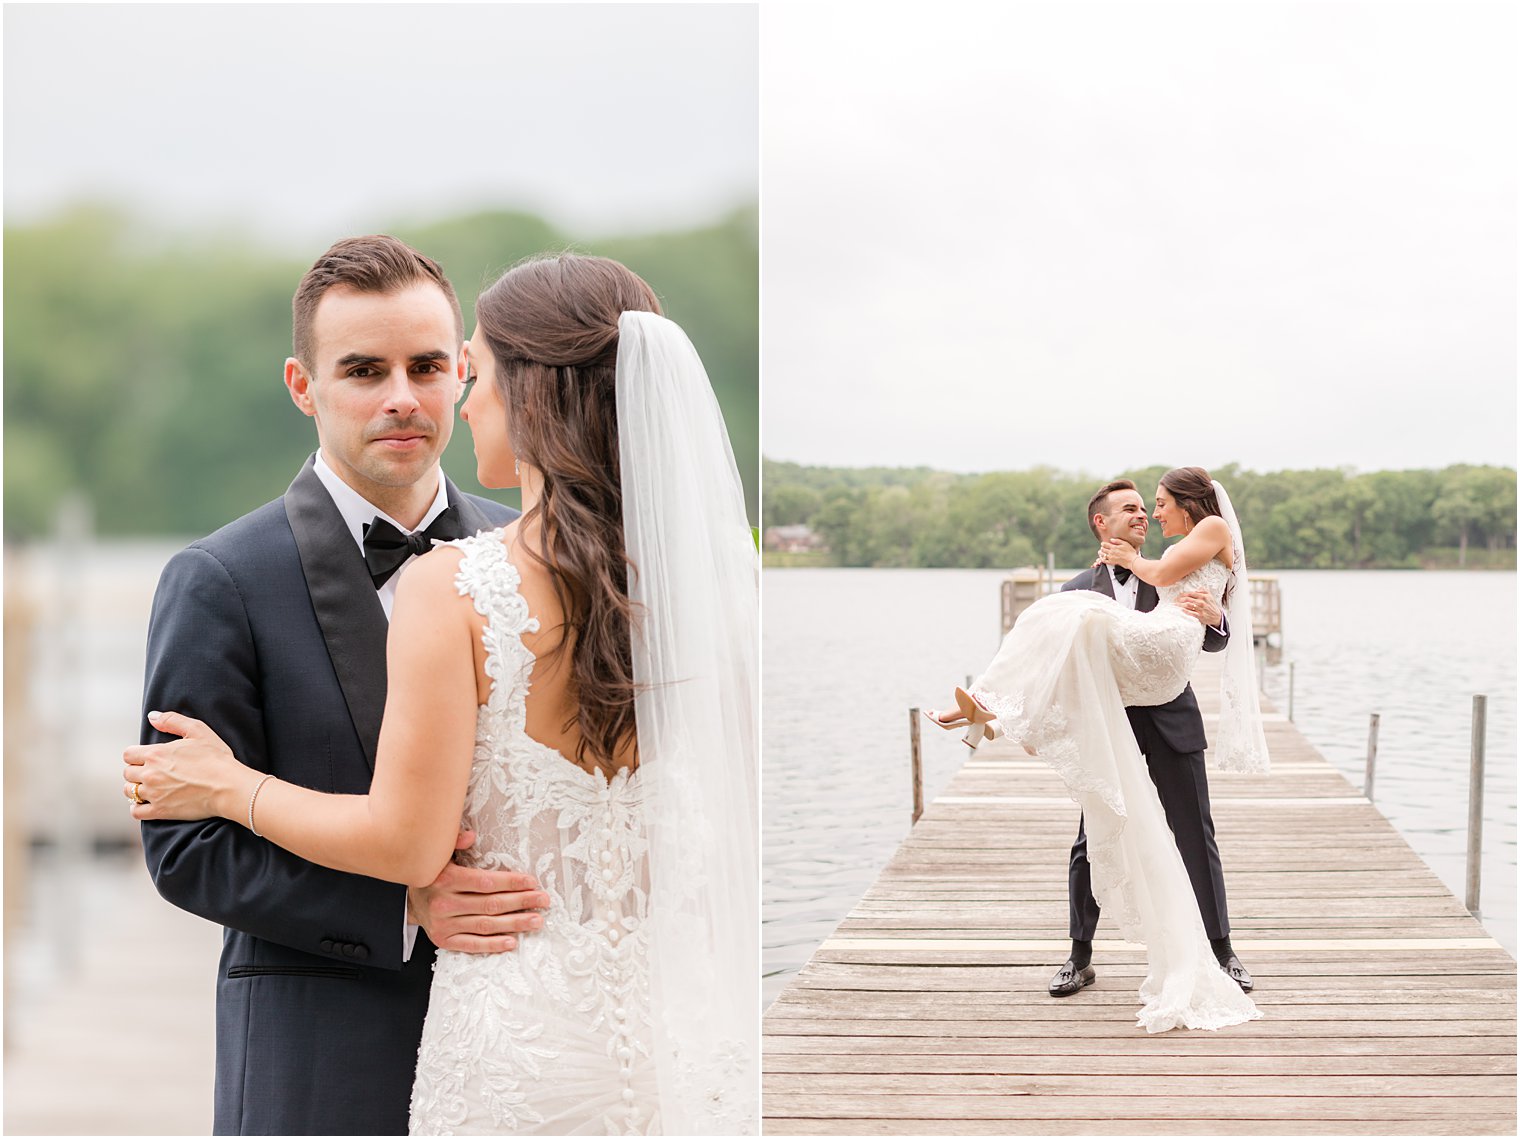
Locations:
{"points": [[1214, 529], [428, 591], [433, 572], [435, 575]]}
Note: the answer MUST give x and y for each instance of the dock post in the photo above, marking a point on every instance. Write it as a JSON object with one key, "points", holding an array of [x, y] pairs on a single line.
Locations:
{"points": [[1291, 665], [918, 764], [1372, 734], [1475, 803]]}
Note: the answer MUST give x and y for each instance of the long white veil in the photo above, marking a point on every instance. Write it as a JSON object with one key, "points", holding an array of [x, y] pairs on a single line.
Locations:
{"points": [[1242, 743], [694, 585]]}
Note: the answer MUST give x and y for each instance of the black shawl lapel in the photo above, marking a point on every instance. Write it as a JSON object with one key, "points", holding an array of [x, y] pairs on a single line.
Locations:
{"points": [[1103, 582], [348, 610], [1145, 597]]}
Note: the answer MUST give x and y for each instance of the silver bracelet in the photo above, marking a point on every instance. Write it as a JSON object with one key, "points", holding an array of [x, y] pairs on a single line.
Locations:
{"points": [[251, 800]]}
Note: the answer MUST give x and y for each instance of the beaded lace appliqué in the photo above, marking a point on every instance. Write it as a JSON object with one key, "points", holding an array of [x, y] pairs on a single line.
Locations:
{"points": [[503, 1030]]}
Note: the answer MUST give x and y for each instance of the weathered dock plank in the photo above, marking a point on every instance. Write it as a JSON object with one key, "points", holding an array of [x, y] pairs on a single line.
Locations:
{"points": [[1455, 1124], [1388, 1009]]}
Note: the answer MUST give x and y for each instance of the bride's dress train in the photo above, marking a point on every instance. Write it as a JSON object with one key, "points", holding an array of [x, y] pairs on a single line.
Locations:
{"points": [[1059, 685]]}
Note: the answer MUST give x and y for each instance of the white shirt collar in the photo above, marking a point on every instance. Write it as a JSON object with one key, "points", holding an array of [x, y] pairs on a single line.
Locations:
{"points": [[359, 512], [1126, 591]]}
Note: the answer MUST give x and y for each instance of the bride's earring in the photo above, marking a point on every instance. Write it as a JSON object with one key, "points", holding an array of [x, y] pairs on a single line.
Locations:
{"points": [[517, 466]]}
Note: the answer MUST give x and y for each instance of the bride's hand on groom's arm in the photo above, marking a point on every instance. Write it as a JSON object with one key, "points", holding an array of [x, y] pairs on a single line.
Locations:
{"points": [[193, 777], [470, 910]]}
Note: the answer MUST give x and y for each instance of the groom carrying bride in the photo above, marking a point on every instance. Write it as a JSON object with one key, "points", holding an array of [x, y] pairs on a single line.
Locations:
{"points": [[1171, 739]]}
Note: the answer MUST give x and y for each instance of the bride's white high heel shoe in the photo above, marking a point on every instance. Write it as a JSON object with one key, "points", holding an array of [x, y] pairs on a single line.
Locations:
{"points": [[981, 724]]}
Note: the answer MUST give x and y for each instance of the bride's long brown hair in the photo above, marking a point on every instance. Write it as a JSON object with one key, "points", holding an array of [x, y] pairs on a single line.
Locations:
{"points": [[552, 325]]}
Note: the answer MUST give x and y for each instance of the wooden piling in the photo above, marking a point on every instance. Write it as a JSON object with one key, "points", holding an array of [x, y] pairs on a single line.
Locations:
{"points": [[916, 745], [1475, 802], [1372, 742]]}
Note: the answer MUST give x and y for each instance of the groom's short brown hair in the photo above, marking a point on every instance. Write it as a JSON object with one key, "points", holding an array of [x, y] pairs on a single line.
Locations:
{"points": [[376, 263], [1098, 503]]}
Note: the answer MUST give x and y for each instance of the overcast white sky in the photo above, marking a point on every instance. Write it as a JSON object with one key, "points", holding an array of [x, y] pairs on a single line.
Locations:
{"points": [[1102, 236], [301, 122]]}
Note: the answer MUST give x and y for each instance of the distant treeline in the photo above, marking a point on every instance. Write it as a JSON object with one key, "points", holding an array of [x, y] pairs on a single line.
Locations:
{"points": [[144, 373], [1463, 515]]}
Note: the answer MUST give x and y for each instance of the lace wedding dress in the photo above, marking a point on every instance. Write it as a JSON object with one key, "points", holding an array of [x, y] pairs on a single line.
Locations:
{"points": [[554, 1037], [1059, 685]]}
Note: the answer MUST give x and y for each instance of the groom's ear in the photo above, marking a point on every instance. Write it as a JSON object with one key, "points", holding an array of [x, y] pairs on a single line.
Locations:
{"points": [[298, 383]]}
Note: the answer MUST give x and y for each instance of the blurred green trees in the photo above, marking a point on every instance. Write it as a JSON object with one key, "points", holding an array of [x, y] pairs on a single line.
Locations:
{"points": [[1320, 519], [145, 373]]}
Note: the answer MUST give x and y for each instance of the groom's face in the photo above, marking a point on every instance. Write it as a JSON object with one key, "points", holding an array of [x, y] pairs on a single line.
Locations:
{"points": [[1123, 517], [385, 373]]}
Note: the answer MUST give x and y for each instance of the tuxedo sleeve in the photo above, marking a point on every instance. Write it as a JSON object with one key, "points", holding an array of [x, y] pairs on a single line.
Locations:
{"points": [[1083, 580], [202, 661], [1216, 639]]}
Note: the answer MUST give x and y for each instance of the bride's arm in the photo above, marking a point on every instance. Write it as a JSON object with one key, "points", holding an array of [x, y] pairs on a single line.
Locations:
{"points": [[405, 828], [1207, 540]]}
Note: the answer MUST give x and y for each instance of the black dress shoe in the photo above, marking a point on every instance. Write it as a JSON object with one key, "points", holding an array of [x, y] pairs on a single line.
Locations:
{"points": [[1237, 972], [1069, 979]]}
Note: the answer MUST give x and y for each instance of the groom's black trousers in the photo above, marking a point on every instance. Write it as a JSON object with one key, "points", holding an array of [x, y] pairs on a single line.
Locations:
{"points": [[1182, 785]]}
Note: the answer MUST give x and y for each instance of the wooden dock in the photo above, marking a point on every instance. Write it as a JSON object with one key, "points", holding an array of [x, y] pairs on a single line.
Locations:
{"points": [[1388, 1009]]}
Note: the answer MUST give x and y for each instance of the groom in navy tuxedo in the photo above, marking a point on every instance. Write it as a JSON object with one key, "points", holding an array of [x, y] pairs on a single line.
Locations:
{"points": [[1171, 739], [273, 631]]}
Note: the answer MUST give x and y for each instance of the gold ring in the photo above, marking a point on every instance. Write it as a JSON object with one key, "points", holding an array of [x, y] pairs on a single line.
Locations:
{"points": [[137, 800]]}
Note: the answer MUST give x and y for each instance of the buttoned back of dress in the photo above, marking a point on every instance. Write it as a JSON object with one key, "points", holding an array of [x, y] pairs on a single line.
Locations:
{"points": [[555, 1034]]}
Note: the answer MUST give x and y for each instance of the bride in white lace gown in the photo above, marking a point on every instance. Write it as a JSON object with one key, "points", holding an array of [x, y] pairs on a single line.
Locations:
{"points": [[578, 688], [1058, 686]]}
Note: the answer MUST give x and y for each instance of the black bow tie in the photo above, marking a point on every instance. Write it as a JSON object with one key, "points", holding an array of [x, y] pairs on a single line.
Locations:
{"points": [[385, 547], [1121, 575]]}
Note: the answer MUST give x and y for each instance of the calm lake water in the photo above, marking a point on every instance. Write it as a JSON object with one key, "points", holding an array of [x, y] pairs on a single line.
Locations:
{"points": [[847, 652]]}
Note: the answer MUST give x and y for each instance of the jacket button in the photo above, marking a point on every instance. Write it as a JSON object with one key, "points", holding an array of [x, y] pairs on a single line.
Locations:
{"points": [[348, 950], [327, 945], [361, 952]]}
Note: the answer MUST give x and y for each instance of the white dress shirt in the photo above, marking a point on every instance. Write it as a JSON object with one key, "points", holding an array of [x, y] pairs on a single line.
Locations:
{"points": [[1125, 593], [358, 512]]}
